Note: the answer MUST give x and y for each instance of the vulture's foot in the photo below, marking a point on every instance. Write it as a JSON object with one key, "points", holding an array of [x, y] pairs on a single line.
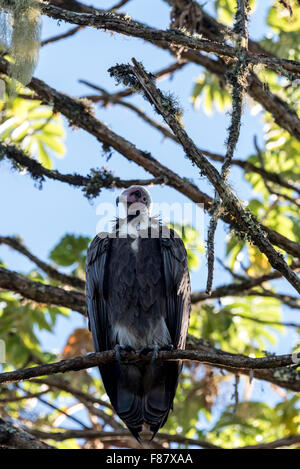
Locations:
{"points": [[155, 349], [151, 348], [167, 348], [119, 348]]}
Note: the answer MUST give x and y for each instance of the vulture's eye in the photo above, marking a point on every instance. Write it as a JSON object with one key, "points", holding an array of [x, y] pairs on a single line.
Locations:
{"points": [[138, 193]]}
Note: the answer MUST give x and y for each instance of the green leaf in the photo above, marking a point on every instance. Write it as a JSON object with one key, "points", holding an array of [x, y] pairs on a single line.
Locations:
{"points": [[70, 250], [209, 93], [44, 157], [53, 143], [34, 127], [280, 19], [192, 241]]}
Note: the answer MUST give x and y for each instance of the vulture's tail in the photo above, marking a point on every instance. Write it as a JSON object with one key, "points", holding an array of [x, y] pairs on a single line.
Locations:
{"points": [[142, 394], [123, 384], [160, 384]]}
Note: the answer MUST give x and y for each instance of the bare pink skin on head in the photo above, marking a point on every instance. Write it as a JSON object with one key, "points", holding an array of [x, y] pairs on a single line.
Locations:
{"points": [[135, 194]]}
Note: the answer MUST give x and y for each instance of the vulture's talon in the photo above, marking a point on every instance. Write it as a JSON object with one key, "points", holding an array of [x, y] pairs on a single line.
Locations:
{"points": [[119, 348], [167, 348], [154, 349]]}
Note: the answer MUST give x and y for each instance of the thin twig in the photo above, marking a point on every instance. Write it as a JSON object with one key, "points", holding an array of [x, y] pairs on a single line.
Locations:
{"points": [[106, 98], [238, 81], [69, 33]]}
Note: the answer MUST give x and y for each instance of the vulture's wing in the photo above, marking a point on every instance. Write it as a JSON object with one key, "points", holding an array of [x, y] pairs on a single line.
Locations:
{"points": [[124, 397], [96, 292], [177, 281]]}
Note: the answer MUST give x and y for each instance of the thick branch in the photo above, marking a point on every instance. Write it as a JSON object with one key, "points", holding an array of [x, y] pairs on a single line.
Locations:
{"points": [[283, 442], [42, 293], [245, 220], [94, 359], [71, 280], [91, 184], [282, 113], [287, 378], [239, 288], [118, 435], [37, 291], [115, 98], [12, 437], [128, 27], [163, 437], [76, 112]]}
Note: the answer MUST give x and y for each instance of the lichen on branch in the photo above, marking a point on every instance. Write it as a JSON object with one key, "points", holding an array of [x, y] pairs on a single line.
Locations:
{"points": [[20, 30]]}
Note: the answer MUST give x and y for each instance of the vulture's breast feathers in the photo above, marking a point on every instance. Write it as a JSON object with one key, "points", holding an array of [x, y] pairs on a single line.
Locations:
{"points": [[138, 304]]}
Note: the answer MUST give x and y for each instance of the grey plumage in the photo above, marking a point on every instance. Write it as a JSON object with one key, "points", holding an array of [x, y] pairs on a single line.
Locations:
{"points": [[139, 296]]}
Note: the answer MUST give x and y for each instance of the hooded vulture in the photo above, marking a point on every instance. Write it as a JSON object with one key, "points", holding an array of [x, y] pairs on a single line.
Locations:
{"points": [[138, 297]]}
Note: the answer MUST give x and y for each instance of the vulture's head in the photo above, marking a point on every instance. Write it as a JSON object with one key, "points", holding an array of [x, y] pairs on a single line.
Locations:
{"points": [[135, 198]]}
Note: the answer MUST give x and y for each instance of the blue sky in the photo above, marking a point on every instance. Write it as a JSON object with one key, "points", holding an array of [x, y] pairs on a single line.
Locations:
{"points": [[42, 217]]}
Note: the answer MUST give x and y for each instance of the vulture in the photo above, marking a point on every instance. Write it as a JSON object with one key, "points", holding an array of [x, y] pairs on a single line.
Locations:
{"points": [[138, 298]]}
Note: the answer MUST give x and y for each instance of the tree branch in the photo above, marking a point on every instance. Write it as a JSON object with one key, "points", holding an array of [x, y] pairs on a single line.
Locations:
{"points": [[68, 33], [17, 245], [37, 291], [283, 115], [90, 184], [288, 441], [115, 98], [238, 80], [12, 437], [94, 359], [288, 378], [245, 220], [128, 27], [108, 98], [247, 166], [160, 75], [27, 396], [238, 288], [78, 114], [118, 435]]}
